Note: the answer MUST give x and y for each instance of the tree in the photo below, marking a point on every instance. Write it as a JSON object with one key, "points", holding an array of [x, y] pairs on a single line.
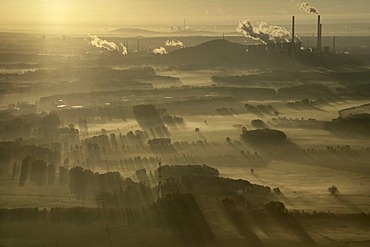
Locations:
{"points": [[264, 136], [258, 124], [276, 190], [159, 142], [77, 183], [275, 207], [333, 189]]}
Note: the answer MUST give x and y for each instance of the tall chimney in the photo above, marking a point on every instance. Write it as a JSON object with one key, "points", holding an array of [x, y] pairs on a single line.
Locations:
{"points": [[293, 37], [318, 46], [138, 45], [334, 44], [320, 37]]}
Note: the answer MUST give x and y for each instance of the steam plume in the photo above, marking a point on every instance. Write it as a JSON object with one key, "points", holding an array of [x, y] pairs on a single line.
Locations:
{"points": [[174, 43], [124, 49], [308, 9], [264, 33], [160, 51], [101, 43]]}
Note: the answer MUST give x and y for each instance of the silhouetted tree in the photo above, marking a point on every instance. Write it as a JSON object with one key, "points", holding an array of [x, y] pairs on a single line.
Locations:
{"points": [[258, 124], [276, 190], [77, 183], [264, 136], [159, 142], [275, 207], [333, 189]]}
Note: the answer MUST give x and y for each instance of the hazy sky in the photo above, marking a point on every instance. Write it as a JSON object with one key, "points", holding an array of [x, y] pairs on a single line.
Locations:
{"points": [[152, 12]]}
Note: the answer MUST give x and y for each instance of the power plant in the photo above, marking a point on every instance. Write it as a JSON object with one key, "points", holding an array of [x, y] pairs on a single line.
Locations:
{"points": [[294, 46]]}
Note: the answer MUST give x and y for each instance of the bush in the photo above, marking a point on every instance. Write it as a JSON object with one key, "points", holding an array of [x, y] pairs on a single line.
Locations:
{"points": [[333, 190], [264, 136]]}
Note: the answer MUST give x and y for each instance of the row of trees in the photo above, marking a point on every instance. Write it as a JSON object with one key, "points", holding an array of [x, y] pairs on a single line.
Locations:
{"points": [[109, 189], [37, 171]]}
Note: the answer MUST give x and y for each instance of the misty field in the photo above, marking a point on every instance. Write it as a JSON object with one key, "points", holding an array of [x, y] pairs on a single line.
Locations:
{"points": [[230, 132]]}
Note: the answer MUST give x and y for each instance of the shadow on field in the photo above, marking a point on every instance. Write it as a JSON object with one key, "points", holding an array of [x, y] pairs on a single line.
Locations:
{"points": [[348, 204]]}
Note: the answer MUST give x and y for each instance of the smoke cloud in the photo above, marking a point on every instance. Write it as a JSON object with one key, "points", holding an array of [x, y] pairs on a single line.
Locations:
{"points": [[308, 9], [160, 51], [124, 49], [174, 43], [264, 33], [101, 43]]}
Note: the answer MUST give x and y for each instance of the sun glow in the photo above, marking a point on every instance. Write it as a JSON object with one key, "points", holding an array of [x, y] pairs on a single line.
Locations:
{"points": [[57, 12]]}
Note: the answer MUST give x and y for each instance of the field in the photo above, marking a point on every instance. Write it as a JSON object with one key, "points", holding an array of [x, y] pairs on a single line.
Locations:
{"points": [[214, 143]]}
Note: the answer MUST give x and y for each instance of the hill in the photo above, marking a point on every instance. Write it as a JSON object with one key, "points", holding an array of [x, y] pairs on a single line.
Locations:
{"points": [[127, 30], [214, 50]]}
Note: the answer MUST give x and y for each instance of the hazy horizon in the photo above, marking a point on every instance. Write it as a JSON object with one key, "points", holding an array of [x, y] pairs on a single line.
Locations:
{"points": [[85, 16], [201, 123]]}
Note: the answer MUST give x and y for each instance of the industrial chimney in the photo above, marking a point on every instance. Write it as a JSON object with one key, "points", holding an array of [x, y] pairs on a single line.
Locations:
{"points": [[293, 37], [320, 37], [318, 46], [334, 44]]}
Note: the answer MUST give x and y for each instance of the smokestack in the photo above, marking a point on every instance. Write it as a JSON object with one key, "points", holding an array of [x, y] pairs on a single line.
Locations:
{"points": [[184, 24], [138, 45], [334, 44], [320, 37], [293, 36], [318, 46]]}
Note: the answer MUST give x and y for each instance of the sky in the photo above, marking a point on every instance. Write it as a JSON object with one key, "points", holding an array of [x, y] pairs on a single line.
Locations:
{"points": [[161, 12]]}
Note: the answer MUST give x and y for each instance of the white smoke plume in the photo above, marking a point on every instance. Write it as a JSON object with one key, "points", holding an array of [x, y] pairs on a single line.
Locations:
{"points": [[160, 51], [264, 33], [124, 49], [308, 9], [174, 43], [101, 43]]}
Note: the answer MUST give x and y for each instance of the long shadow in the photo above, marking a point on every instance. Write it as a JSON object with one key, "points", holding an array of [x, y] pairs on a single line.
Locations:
{"points": [[285, 151], [266, 222], [258, 178], [347, 203], [284, 199], [241, 224]]}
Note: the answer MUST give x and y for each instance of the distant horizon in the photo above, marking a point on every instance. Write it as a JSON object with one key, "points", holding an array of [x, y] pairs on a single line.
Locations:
{"points": [[304, 28], [98, 14]]}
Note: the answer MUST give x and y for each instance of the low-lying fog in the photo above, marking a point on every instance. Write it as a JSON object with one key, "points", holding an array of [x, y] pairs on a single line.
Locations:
{"points": [[208, 142]]}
